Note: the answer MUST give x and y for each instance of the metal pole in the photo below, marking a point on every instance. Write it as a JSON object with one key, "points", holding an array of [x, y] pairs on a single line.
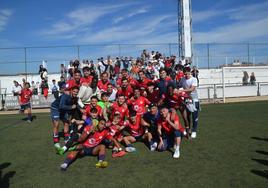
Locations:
{"points": [[119, 50], [248, 52], [223, 84], [78, 52], [169, 49], [215, 92], [25, 63], [258, 90], [208, 54]]}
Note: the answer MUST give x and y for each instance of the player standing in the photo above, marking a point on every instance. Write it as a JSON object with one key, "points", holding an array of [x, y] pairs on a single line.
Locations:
{"points": [[25, 101]]}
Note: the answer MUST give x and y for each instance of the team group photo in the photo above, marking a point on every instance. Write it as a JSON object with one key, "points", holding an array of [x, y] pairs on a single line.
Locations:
{"points": [[133, 93]]}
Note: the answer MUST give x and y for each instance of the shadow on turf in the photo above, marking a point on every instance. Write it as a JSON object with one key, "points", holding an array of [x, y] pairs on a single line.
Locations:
{"points": [[26, 118], [262, 152], [263, 173], [258, 138], [261, 161], [4, 178]]}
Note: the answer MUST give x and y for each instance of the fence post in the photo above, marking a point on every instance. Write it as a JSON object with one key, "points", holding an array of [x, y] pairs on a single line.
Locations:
{"points": [[78, 52], [258, 89], [215, 92], [208, 54], [119, 50], [248, 52], [209, 99], [169, 49], [223, 84], [25, 63]]}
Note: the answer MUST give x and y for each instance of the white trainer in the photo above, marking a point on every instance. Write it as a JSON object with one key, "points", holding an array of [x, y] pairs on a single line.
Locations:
{"points": [[176, 154], [57, 145], [64, 166], [130, 149], [154, 146], [193, 135]]}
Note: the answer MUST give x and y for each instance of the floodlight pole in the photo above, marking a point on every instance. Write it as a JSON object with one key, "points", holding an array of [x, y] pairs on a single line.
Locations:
{"points": [[185, 29]]}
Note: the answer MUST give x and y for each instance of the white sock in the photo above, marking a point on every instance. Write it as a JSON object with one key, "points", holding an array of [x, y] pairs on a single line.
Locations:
{"points": [[64, 148], [177, 147]]}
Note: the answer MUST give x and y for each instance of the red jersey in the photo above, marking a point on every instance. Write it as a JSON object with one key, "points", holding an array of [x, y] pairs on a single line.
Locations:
{"points": [[179, 75], [131, 81], [154, 96], [174, 100], [88, 108], [72, 83], [25, 96], [139, 104], [87, 80], [114, 130], [168, 63], [122, 110], [103, 86], [143, 83], [96, 138], [167, 127], [136, 129], [127, 92]]}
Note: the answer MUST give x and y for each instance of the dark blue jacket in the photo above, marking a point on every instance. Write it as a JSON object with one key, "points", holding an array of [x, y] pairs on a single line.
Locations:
{"points": [[163, 84], [65, 105]]}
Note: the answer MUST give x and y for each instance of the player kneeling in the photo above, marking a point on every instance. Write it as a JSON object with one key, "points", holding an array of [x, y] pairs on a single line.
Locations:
{"points": [[91, 145], [135, 129], [170, 132]]}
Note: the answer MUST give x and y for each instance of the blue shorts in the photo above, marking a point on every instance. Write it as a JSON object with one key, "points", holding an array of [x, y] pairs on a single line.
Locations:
{"points": [[54, 114], [88, 151], [168, 140], [25, 106], [64, 117]]}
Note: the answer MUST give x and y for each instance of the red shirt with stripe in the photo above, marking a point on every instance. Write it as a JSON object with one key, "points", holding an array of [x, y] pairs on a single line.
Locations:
{"points": [[25, 96], [135, 129], [167, 127], [96, 138]]}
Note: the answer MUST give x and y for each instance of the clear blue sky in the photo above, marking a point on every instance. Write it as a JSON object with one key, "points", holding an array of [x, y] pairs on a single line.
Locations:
{"points": [[58, 22]]}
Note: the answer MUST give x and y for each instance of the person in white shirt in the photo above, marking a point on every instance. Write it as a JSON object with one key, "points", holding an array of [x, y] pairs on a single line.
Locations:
{"points": [[189, 85], [16, 88]]}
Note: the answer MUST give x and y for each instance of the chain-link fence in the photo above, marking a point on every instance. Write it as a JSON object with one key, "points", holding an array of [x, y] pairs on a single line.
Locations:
{"points": [[26, 60]]}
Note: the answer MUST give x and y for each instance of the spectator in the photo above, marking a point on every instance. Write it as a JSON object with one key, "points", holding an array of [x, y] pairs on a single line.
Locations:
{"points": [[63, 70], [125, 63], [16, 88], [37, 84], [70, 69], [34, 88], [23, 82], [54, 87], [40, 69], [62, 82], [43, 73], [252, 79], [144, 56], [195, 73], [44, 88], [245, 78], [102, 65]]}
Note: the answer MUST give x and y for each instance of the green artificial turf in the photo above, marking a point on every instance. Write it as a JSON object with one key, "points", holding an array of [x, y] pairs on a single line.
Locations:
{"points": [[231, 150]]}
